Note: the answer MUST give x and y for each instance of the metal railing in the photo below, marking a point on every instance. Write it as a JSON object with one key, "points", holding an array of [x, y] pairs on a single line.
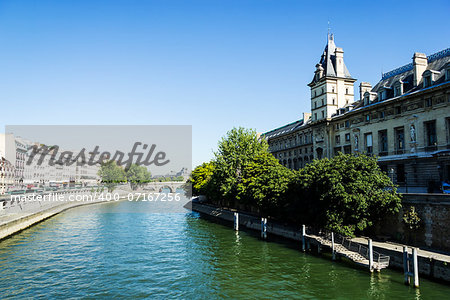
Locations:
{"points": [[347, 243]]}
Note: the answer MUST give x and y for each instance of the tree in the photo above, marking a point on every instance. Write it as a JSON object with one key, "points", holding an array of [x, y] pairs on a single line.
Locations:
{"points": [[265, 183], [346, 193], [138, 175], [237, 148], [111, 174], [200, 179]]}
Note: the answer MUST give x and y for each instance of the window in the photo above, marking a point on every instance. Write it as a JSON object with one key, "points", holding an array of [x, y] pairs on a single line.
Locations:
{"points": [[427, 81], [398, 110], [347, 137], [383, 142], [332, 88], [346, 91], [347, 124], [334, 101], [430, 130], [337, 150], [399, 140], [322, 90], [381, 114], [367, 118], [380, 95], [428, 102], [397, 91], [315, 104], [315, 93], [401, 173], [447, 74], [322, 102], [323, 114], [368, 143], [315, 116], [348, 149], [337, 139]]}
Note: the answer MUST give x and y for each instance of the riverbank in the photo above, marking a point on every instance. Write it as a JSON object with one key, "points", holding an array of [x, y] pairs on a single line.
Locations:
{"points": [[431, 264], [22, 215]]}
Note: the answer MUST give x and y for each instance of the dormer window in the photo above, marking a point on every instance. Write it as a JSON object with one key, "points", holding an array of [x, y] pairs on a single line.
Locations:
{"points": [[447, 74], [381, 95], [427, 81]]}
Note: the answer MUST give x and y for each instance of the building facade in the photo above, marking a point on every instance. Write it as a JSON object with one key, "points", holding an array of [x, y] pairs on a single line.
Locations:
{"points": [[404, 120]]}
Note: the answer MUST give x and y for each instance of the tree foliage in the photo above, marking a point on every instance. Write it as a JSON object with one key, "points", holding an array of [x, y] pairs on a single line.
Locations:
{"points": [[137, 176], [235, 150], [111, 174], [346, 193]]}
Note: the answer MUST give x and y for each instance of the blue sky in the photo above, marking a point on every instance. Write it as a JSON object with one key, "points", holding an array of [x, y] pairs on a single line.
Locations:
{"points": [[210, 64]]}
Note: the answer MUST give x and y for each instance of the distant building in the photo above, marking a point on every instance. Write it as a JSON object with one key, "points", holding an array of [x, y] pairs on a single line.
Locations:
{"points": [[404, 119]]}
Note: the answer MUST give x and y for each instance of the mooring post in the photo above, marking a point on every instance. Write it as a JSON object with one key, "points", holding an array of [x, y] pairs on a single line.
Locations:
{"points": [[303, 237], [370, 255], [264, 228], [415, 267], [332, 246], [406, 264], [236, 221]]}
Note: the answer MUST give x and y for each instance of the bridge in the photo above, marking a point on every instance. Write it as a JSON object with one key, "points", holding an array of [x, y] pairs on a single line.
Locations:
{"points": [[159, 186]]}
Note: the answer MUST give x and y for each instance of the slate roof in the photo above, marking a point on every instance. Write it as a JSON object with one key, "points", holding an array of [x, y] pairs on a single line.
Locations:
{"points": [[284, 129], [436, 62], [328, 60]]}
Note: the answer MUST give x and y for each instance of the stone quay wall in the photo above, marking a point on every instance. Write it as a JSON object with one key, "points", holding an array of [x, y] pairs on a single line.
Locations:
{"points": [[431, 264]]}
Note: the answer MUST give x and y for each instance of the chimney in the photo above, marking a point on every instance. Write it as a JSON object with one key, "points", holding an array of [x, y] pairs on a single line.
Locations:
{"points": [[364, 87], [339, 62], [420, 65]]}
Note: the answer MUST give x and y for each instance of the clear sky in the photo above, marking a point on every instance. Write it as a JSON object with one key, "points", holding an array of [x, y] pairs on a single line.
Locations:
{"points": [[210, 64]]}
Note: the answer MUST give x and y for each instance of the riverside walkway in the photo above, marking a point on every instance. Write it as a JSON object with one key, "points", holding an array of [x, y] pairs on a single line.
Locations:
{"points": [[345, 247]]}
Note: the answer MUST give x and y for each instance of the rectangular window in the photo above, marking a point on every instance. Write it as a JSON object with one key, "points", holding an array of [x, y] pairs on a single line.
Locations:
{"points": [[427, 81], [428, 102], [401, 175], [348, 149], [430, 130], [383, 142], [337, 150], [398, 110], [338, 139], [399, 140], [397, 91], [381, 114], [368, 143], [323, 114], [315, 116], [347, 137], [367, 118], [347, 124]]}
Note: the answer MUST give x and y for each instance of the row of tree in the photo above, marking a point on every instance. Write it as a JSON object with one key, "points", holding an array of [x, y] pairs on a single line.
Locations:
{"points": [[347, 193], [112, 174]]}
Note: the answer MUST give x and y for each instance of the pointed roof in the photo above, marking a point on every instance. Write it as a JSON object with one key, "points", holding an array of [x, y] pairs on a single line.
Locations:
{"points": [[328, 60]]}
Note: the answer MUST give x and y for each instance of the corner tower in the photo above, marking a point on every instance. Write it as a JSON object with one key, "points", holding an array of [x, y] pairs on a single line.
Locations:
{"points": [[332, 86]]}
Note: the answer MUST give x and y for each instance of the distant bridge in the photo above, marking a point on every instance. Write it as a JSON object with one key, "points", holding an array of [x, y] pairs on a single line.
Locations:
{"points": [[159, 186]]}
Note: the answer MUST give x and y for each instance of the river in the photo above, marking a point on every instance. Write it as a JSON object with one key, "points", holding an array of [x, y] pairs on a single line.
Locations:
{"points": [[106, 250]]}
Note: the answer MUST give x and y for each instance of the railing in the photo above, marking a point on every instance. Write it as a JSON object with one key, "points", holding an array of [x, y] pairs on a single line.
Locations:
{"points": [[382, 260]]}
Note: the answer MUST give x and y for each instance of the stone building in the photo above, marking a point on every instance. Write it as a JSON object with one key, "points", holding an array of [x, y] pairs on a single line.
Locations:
{"points": [[404, 120]]}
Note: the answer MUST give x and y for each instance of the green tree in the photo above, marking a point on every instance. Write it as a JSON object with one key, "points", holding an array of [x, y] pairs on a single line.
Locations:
{"points": [[137, 176], [235, 150], [111, 174], [265, 184], [200, 179], [346, 193]]}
